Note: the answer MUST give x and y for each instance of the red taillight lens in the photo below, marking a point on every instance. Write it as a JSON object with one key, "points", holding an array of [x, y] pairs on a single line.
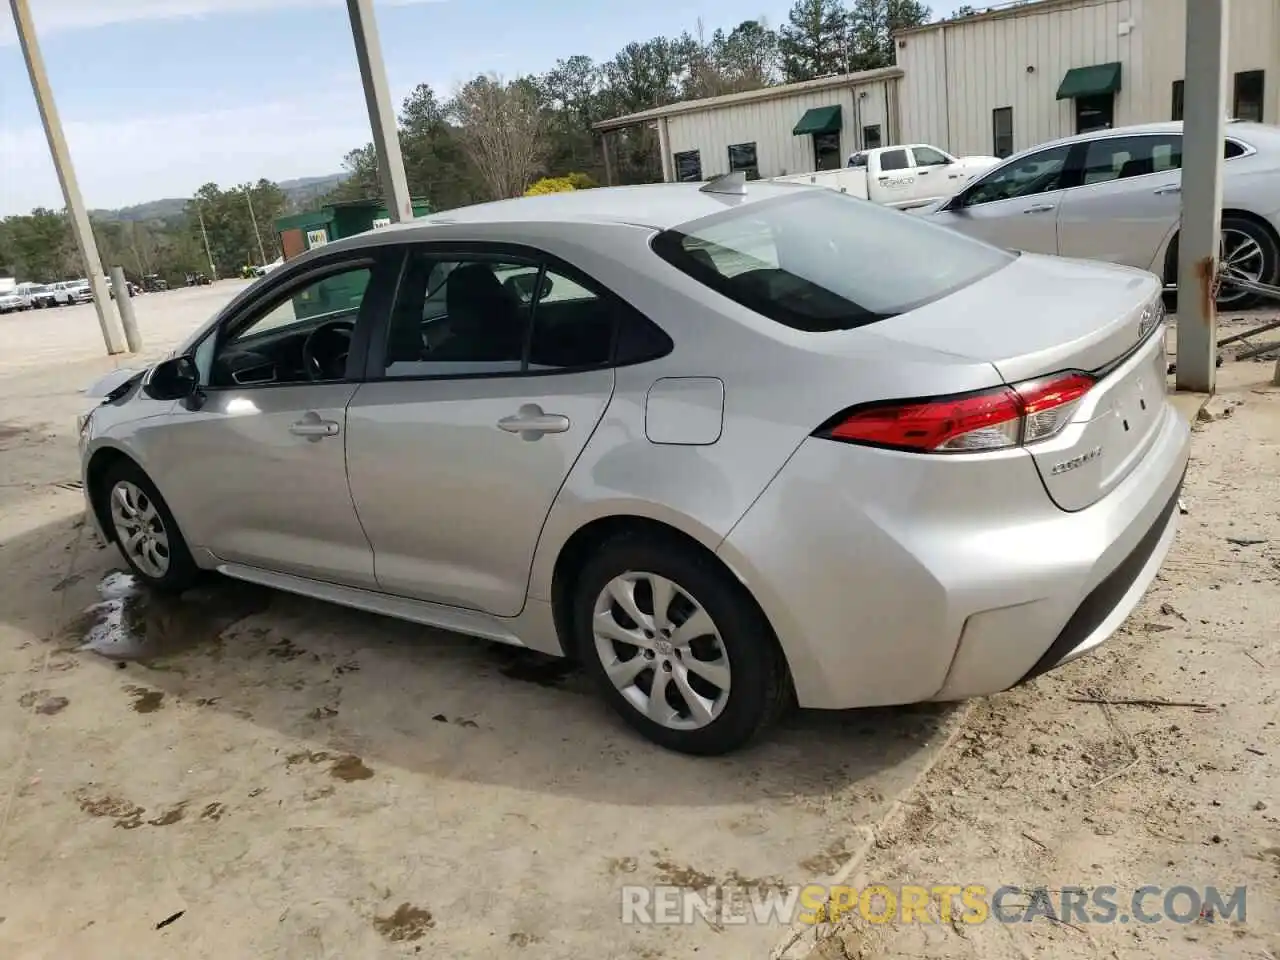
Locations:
{"points": [[992, 420]]}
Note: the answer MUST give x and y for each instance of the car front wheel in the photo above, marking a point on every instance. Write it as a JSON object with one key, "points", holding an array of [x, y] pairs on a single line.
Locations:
{"points": [[678, 648], [145, 531]]}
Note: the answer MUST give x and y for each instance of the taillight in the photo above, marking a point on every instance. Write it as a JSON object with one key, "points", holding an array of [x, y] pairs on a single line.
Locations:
{"points": [[991, 420]]}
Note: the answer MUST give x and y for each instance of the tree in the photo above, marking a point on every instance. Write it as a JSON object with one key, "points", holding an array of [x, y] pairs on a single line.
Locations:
{"points": [[747, 57], [964, 10], [436, 166], [814, 41], [503, 130], [872, 25]]}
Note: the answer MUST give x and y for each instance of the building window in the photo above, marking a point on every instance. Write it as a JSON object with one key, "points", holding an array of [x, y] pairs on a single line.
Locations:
{"points": [[826, 151], [1177, 100], [871, 137], [1002, 132], [1097, 112], [742, 156], [1247, 103], [688, 166]]}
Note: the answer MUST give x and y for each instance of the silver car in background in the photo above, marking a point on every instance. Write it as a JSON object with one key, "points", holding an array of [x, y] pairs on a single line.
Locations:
{"points": [[1115, 195], [730, 446]]}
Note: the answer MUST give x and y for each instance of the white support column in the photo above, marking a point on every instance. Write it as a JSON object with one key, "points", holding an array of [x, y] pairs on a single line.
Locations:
{"points": [[1204, 128], [80, 224], [664, 147], [382, 116]]}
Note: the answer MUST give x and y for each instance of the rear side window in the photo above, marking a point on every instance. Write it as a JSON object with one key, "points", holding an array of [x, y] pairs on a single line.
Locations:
{"points": [[822, 261], [894, 160]]}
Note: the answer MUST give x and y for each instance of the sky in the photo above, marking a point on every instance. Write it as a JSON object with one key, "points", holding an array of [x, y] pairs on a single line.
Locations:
{"points": [[158, 97]]}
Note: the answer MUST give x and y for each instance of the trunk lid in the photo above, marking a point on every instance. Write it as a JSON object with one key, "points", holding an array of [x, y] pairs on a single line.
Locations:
{"points": [[1042, 316]]}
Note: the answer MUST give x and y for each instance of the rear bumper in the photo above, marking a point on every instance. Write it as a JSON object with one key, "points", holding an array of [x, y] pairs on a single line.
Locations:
{"points": [[891, 578]]}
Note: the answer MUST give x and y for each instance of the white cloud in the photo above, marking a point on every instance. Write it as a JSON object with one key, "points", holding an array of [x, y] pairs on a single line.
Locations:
{"points": [[122, 162], [60, 15]]}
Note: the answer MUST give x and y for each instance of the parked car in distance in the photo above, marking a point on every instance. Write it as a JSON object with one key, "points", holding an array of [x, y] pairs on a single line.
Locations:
{"points": [[14, 301], [1115, 195], [904, 176], [71, 292], [729, 446], [41, 295]]}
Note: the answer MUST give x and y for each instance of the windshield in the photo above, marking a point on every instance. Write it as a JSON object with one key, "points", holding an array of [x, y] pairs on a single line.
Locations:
{"points": [[822, 260]]}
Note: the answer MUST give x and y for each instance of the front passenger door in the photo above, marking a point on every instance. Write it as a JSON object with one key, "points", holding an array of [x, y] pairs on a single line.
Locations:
{"points": [[931, 168], [1015, 206], [494, 371]]}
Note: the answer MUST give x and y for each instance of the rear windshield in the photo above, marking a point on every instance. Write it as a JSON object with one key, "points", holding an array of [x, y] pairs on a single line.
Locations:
{"points": [[823, 260]]}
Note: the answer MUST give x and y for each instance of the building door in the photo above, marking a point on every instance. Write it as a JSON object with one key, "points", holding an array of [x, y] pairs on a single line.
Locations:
{"points": [[1097, 112], [826, 151]]}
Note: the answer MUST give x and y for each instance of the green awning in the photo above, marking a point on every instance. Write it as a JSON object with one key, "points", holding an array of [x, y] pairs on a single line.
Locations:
{"points": [[1092, 81], [819, 120]]}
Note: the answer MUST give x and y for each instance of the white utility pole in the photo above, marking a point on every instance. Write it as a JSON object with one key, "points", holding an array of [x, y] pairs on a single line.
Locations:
{"points": [[80, 225], [248, 195], [1203, 132], [382, 116], [213, 271]]}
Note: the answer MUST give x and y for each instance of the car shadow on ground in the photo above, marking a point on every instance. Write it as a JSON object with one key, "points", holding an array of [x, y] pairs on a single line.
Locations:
{"points": [[424, 700]]}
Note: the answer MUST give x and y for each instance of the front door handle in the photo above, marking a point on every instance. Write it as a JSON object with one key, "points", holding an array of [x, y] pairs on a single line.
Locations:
{"points": [[531, 423], [1041, 208], [313, 428], [1161, 191]]}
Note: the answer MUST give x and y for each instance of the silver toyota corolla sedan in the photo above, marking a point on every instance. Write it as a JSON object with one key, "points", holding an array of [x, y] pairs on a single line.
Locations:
{"points": [[1115, 195], [729, 446]]}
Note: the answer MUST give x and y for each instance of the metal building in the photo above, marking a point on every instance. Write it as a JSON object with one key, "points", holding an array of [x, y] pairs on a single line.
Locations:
{"points": [[990, 84], [774, 131], [1011, 78]]}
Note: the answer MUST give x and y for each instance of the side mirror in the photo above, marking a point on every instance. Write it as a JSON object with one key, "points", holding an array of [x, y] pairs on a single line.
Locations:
{"points": [[174, 379]]}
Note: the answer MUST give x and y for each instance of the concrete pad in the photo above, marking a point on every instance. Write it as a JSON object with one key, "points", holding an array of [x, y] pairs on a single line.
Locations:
{"points": [[1189, 404]]}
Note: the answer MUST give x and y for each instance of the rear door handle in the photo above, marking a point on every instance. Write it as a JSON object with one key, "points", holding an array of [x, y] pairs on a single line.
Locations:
{"points": [[531, 423], [1161, 191], [1041, 208]]}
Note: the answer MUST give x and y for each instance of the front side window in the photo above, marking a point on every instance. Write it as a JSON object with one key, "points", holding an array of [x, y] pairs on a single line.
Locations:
{"points": [[460, 317], [300, 335], [894, 160], [1033, 174], [929, 157], [826, 261], [1119, 158]]}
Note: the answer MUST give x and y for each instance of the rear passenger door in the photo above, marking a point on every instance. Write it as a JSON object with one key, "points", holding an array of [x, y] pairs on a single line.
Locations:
{"points": [[1126, 199], [493, 371], [894, 178]]}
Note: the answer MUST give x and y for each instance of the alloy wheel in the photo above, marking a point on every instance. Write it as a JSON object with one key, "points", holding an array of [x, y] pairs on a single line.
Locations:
{"points": [[140, 529], [1242, 257], [662, 651]]}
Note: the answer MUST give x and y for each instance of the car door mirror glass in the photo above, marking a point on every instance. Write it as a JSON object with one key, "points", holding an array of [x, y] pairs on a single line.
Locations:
{"points": [[172, 379]]}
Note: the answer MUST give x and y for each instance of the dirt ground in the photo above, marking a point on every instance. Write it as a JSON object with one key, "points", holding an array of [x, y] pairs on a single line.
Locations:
{"points": [[245, 774], [1047, 788]]}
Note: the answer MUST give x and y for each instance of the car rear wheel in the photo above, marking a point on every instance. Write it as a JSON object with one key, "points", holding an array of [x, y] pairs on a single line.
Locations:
{"points": [[678, 648], [1245, 250], [145, 531]]}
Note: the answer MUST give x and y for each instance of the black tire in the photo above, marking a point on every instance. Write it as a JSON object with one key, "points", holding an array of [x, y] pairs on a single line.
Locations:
{"points": [[760, 689], [182, 571], [1255, 232]]}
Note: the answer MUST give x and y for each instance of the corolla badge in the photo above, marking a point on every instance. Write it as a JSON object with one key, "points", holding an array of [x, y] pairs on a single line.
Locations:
{"points": [[1066, 466]]}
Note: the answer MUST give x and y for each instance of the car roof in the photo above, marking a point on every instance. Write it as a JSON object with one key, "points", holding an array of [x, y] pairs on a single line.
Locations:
{"points": [[659, 206], [1240, 129]]}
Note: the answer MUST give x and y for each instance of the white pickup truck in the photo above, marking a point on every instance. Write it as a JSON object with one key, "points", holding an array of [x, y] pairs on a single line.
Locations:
{"points": [[913, 175]]}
